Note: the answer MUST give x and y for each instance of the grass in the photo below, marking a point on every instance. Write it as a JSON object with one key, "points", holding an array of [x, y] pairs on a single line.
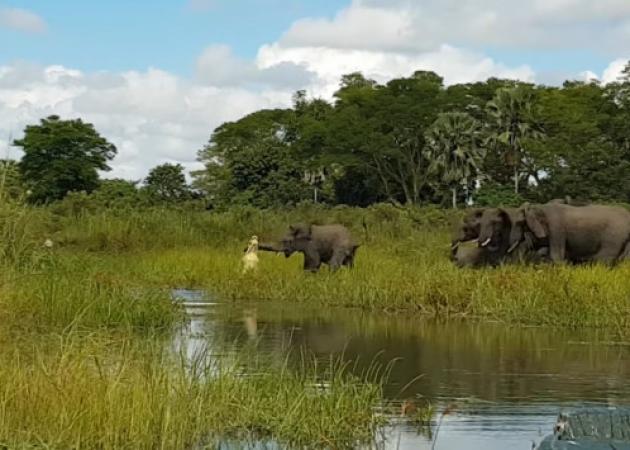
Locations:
{"points": [[406, 277], [402, 266], [95, 391]]}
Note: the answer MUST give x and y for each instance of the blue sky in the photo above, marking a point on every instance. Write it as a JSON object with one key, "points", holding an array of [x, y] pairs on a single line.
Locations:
{"points": [[156, 78], [120, 35]]}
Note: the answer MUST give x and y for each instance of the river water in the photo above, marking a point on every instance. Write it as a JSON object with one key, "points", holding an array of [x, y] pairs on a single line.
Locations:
{"points": [[505, 384]]}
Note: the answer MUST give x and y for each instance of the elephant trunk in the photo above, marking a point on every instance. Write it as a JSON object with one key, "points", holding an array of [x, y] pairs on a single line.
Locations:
{"points": [[265, 247]]}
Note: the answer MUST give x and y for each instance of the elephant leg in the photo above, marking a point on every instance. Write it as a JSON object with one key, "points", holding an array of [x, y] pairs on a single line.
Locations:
{"points": [[338, 259], [607, 255], [312, 262], [557, 248]]}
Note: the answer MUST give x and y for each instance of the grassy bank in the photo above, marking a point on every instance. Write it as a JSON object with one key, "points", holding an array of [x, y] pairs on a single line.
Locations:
{"points": [[100, 391], [402, 265], [402, 277]]}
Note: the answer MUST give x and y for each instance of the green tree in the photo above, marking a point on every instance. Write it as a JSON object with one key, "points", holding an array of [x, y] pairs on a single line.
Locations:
{"points": [[453, 147], [585, 154], [512, 119], [252, 161], [62, 156], [118, 193], [381, 129], [167, 183]]}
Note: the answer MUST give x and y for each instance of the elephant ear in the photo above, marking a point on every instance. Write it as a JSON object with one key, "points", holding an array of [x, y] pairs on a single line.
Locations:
{"points": [[301, 231], [536, 222]]}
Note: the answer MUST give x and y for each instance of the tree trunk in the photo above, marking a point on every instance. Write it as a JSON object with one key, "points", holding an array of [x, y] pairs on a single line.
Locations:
{"points": [[516, 161], [315, 194], [454, 189]]}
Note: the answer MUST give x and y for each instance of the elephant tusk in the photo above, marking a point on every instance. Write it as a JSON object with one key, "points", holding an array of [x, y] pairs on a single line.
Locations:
{"points": [[513, 247], [486, 242], [455, 245]]}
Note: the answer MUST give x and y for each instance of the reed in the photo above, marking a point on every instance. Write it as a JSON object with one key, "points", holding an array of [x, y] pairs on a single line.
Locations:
{"points": [[87, 391]]}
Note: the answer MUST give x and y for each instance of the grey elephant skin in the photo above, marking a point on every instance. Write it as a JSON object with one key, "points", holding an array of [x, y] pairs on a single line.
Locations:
{"points": [[320, 244], [577, 234]]}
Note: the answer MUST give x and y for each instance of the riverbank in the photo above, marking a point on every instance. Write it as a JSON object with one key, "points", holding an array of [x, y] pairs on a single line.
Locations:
{"points": [[402, 266]]}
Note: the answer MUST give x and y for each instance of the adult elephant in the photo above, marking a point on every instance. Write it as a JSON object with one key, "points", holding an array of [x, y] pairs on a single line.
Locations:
{"points": [[498, 227], [576, 234], [320, 244]]}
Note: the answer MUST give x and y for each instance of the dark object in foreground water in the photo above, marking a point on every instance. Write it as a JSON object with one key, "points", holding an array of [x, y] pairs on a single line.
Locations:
{"points": [[590, 428]]}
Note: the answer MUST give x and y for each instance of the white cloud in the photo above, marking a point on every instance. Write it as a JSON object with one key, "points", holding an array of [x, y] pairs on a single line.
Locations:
{"points": [[613, 71], [405, 25], [218, 66], [455, 65], [21, 20], [151, 116], [610, 74]]}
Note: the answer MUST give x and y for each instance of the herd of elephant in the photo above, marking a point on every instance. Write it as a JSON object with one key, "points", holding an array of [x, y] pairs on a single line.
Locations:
{"points": [[558, 231]]}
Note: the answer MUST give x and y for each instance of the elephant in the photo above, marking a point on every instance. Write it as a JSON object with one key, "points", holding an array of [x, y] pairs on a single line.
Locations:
{"points": [[504, 233], [497, 253], [320, 244], [593, 233]]}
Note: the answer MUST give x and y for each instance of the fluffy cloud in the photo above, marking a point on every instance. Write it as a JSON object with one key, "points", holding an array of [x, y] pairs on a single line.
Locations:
{"points": [[455, 65], [21, 20], [405, 25], [217, 66], [152, 116], [610, 74]]}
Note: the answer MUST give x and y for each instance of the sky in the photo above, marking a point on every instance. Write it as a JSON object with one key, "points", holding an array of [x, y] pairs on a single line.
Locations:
{"points": [[156, 78]]}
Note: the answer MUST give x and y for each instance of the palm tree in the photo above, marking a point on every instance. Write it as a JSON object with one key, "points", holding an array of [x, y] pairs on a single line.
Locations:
{"points": [[453, 147], [512, 120]]}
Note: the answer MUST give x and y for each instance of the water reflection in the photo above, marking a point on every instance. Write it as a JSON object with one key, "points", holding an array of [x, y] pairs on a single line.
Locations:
{"points": [[508, 383]]}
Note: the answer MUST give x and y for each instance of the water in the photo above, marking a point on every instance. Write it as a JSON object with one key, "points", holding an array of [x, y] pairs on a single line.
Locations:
{"points": [[506, 384]]}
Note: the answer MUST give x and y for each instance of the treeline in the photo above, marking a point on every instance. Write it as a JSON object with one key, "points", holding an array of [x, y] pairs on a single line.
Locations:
{"points": [[415, 141], [412, 140]]}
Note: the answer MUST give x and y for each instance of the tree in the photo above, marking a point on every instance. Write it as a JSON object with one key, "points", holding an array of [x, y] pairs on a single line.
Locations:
{"points": [[585, 154], [381, 129], [118, 193], [453, 147], [62, 156], [512, 120], [167, 183], [252, 161]]}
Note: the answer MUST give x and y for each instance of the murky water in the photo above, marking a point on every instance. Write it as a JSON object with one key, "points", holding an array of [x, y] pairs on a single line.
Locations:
{"points": [[506, 384]]}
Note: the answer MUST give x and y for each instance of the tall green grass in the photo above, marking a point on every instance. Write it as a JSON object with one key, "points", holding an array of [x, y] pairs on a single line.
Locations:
{"points": [[87, 392], [402, 265]]}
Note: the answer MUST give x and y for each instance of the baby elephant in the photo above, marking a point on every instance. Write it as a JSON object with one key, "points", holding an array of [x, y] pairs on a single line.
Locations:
{"points": [[327, 244]]}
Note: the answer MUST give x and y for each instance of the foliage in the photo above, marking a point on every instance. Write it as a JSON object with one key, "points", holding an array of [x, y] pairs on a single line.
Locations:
{"points": [[252, 162], [494, 194], [513, 119], [62, 156], [454, 149], [166, 183]]}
